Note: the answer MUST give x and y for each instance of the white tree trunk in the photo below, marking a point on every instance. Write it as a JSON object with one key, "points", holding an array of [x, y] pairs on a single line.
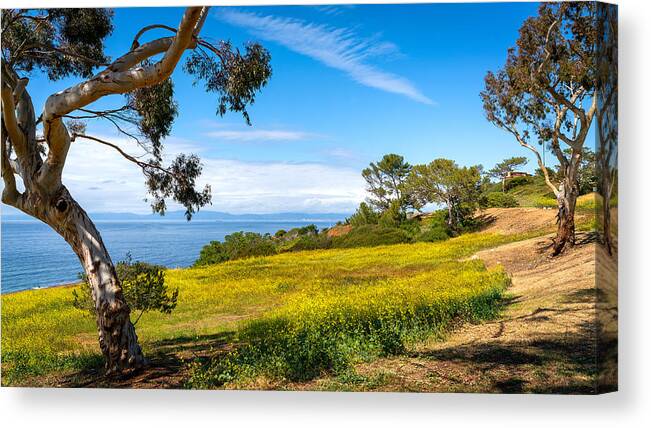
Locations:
{"points": [[117, 337]]}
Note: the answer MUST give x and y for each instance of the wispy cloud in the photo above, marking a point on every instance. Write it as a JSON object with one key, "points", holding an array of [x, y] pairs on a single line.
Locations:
{"points": [[258, 135], [339, 48]]}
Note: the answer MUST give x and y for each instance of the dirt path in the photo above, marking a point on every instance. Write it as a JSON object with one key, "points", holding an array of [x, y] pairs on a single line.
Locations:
{"points": [[544, 342]]}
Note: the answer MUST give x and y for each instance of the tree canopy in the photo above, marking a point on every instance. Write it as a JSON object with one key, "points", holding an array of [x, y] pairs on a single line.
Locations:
{"points": [[443, 182], [70, 42], [384, 180]]}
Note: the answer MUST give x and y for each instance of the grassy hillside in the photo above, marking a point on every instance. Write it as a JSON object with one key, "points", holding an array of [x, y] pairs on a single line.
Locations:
{"points": [[537, 194], [290, 315]]}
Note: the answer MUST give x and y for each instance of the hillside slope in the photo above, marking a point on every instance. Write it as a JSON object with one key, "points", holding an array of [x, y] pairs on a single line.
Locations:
{"points": [[544, 341]]}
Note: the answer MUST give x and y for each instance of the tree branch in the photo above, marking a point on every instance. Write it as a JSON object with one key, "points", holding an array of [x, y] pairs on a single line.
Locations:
{"points": [[15, 134], [201, 21], [541, 165], [141, 164], [114, 80], [10, 193], [135, 44]]}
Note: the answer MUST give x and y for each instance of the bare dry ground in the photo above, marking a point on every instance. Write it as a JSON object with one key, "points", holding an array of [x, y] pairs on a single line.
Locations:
{"points": [[544, 342]]}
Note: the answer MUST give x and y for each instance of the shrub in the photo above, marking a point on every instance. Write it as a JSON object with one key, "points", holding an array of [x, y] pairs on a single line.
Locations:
{"points": [[434, 234], [393, 216], [305, 243], [143, 286], [371, 236], [500, 200], [517, 181], [238, 245], [310, 229], [412, 227], [363, 216], [211, 254]]}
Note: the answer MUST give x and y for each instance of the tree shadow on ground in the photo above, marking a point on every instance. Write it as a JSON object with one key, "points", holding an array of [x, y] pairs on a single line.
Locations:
{"points": [[167, 361], [549, 364]]}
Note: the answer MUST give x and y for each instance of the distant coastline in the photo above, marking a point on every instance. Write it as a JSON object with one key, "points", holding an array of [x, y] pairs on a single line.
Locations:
{"points": [[202, 216], [170, 241]]}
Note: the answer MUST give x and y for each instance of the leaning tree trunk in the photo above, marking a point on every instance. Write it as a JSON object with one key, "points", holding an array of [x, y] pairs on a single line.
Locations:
{"points": [[567, 195], [117, 336]]}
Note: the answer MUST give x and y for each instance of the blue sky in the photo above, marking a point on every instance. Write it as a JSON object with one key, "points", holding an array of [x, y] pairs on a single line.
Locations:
{"points": [[349, 84]]}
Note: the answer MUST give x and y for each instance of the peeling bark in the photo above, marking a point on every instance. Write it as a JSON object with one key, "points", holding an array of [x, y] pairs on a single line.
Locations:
{"points": [[567, 196], [117, 337]]}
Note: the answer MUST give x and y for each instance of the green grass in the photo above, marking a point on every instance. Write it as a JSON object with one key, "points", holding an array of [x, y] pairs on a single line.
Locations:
{"points": [[290, 313], [536, 194]]}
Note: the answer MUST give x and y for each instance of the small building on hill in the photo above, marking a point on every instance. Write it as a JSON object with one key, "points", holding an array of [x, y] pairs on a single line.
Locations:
{"points": [[513, 174]]}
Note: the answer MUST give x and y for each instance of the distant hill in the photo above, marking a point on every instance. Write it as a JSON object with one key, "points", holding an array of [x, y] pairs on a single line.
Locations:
{"points": [[205, 216]]}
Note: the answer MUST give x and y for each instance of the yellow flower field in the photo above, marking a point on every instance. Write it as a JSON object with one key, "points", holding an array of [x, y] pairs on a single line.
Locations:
{"points": [[291, 315]]}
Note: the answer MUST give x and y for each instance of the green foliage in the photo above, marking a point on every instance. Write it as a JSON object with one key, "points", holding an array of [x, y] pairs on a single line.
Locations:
{"points": [[237, 245], [393, 216], [435, 228], [442, 181], [384, 180], [310, 229], [234, 76], [58, 42], [514, 182], [156, 111], [438, 233], [500, 200], [371, 236], [143, 286], [177, 181], [364, 215], [306, 242]]}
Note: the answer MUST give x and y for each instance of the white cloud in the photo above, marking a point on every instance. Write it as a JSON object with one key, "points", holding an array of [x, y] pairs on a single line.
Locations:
{"points": [[264, 187], [103, 181], [338, 48], [258, 135]]}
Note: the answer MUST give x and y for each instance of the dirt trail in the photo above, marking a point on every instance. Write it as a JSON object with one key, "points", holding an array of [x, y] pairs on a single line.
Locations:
{"points": [[544, 341]]}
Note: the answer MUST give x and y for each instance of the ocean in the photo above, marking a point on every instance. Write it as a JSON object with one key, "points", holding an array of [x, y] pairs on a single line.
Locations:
{"points": [[35, 256]]}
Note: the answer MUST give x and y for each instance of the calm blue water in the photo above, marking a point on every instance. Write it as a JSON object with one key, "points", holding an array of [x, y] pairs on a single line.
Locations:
{"points": [[35, 256]]}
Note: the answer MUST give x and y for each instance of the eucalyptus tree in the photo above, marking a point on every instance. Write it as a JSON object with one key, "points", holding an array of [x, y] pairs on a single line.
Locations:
{"points": [[70, 43], [545, 94]]}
